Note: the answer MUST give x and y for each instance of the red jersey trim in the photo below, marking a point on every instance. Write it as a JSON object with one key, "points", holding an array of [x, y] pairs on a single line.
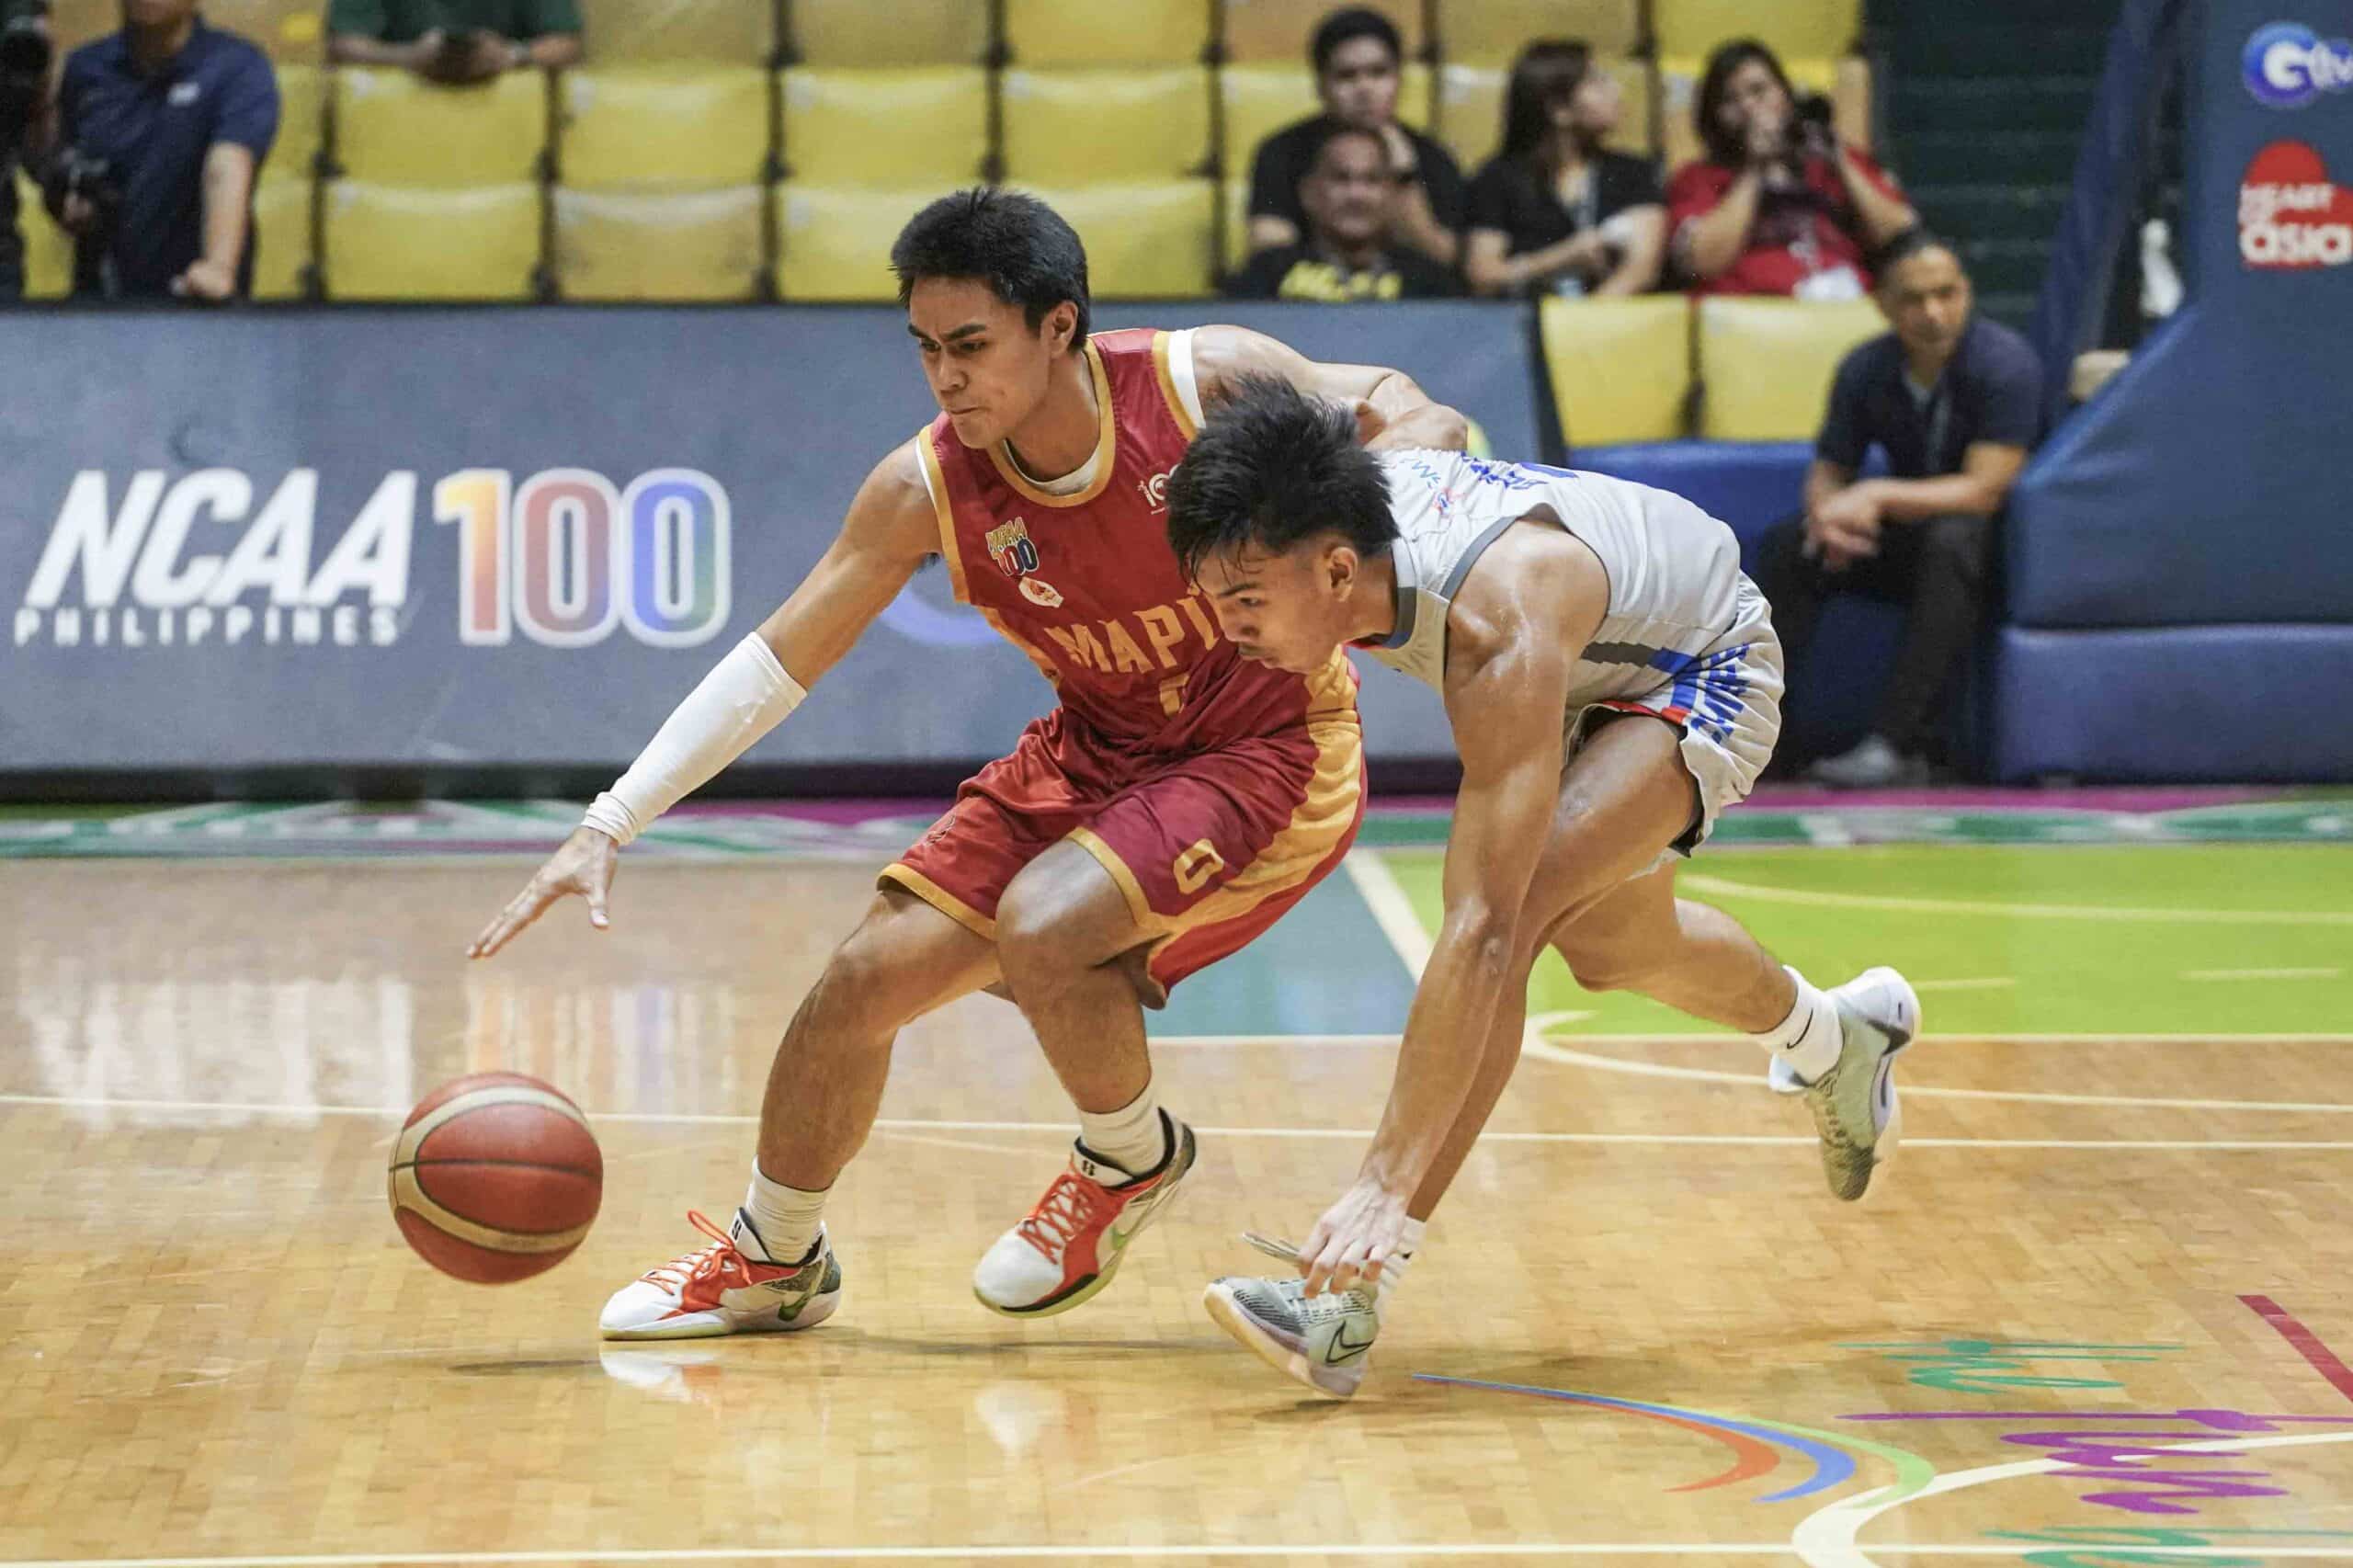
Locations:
{"points": [[1161, 349], [1106, 444]]}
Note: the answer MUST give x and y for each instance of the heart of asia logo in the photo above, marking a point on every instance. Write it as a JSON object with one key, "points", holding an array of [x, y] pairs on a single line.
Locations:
{"points": [[2291, 215]]}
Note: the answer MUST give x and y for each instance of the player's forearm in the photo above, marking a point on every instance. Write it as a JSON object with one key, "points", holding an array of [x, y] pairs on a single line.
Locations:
{"points": [[745, 695], [1446, 1034]]}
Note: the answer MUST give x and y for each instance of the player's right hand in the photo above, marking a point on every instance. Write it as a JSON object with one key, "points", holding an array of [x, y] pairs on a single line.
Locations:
{"points": [[583, 864]]}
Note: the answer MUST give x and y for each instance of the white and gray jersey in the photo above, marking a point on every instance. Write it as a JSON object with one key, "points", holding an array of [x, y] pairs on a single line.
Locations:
{"points": [[1675, 588]]}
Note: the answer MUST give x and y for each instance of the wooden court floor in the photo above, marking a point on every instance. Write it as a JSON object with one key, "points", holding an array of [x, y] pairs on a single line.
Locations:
{"points": [[2087, 1319]]}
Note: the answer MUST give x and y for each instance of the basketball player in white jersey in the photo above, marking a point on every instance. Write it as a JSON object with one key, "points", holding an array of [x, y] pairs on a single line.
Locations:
{"points": [[1613, 684]]}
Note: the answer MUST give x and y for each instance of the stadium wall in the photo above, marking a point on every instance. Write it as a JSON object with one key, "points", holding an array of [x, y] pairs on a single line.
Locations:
{"points": [[301, 552]]}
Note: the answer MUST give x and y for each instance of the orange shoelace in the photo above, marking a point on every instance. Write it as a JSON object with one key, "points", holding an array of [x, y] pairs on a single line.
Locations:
{"points": [[1064, 1212], [703, 1263]]}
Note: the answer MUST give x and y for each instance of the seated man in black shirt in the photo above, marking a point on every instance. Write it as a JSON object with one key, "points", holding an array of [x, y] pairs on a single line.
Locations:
{"points": [[1956, 402], [1357, 57], [1349, 201]]}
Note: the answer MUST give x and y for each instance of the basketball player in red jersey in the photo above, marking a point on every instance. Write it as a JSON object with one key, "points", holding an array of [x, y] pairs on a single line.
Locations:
{"points": [[1174, 804]]}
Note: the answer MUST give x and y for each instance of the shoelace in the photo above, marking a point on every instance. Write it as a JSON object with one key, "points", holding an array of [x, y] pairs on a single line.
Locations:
{"points": [[1315, 1309], [1068, 1205], [702, 1264]]}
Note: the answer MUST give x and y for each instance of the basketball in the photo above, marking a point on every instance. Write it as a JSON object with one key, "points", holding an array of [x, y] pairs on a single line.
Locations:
{"points": [[496, 1177]]}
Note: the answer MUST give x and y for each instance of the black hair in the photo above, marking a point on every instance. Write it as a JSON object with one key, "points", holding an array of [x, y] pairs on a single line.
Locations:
{"points": [[1015, 243], [1547, 75], [1271, 468], [1347, 26], [1723, 146], [1909, 244], [1337, 130]]}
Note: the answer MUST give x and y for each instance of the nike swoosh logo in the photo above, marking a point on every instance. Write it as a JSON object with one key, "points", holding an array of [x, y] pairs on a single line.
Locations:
{"points": [[1340, 1350]]}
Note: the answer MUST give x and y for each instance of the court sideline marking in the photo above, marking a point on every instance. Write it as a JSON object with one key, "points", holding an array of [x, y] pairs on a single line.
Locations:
{"points": [[1061, 1130], [1179, 1553]]}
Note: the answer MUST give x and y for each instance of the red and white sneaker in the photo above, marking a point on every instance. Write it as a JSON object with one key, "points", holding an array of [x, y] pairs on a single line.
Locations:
{"points": [[1071, 1243], [721, 1290]]}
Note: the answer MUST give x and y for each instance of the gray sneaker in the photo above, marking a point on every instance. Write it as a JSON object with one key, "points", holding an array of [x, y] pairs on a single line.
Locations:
{"points": [[1322, 1341], [1871, 763], [1854, 1105]]}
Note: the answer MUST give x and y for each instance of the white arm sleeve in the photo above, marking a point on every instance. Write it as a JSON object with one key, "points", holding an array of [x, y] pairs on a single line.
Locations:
{"points": [[745, 695]]}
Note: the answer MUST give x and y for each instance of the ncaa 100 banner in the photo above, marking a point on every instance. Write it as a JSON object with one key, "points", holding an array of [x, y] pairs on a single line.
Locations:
{"points": [[469, 539]]}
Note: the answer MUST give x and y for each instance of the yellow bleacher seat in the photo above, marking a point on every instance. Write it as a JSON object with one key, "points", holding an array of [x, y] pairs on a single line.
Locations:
{"points": [[1847, 81], [886, 128], [1258, 100], [663, 33], [1234, 191], [1493, 32], [682, 126], [1106, 125], [281, 237], [1143, 241], [833, 241], [301, 121], [1088, 32], [391, 243], [1471, 109], [393, 128], [902, 32], [1621, 369], [672, 245], [1281, 30], [1802, 30], [1766, 365], [49, 251], [289, 32]]}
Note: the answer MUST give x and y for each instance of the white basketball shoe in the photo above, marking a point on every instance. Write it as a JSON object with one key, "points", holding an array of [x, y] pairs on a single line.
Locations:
{"points": [[1854, 1104], [1322, 1341], [721, 1289]]}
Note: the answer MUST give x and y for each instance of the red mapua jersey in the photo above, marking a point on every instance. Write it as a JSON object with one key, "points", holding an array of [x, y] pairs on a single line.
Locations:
{"points": [[1087, 586]]}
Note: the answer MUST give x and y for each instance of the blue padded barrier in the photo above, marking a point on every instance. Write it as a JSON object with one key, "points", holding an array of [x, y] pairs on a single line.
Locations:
{"points": [[2189, 703]]}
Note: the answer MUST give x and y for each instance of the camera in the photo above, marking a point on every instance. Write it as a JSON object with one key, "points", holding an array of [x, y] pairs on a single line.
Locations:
{"points": [[25, 56], [75, 173], [1812, 126]]}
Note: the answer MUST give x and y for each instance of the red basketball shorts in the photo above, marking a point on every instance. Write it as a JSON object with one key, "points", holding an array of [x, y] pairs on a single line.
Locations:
{"points": [[1210, 848]]}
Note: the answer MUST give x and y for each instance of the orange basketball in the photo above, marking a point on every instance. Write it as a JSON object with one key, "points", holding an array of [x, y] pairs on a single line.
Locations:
{"points": [[496, 1177]]}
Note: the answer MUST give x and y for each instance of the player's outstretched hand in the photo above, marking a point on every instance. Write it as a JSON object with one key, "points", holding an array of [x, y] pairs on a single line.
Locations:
{"points": [[1354, 1239], [583, 864]]}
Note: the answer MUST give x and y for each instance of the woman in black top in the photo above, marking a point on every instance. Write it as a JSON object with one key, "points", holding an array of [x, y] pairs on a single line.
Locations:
{"points": [[1552, 211]]}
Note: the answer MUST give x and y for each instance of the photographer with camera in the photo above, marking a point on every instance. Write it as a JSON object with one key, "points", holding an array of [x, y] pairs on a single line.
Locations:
{"points": [[162, 130], [26, 124], [455, 41], [1780, 205]]}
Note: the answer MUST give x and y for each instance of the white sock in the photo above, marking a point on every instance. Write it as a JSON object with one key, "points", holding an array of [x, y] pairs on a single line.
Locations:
{"points": [[1129, 1137], [785, 1220], [1810, 1038], [1392, 1270]]}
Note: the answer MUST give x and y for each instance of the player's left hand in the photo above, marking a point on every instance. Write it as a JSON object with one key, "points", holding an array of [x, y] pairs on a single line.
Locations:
{"points": [[205, 281], [1354, 1239]]}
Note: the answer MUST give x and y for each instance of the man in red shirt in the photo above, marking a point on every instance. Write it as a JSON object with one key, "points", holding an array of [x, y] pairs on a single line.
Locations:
{"points": [[1174, 804], [1778, 206]]}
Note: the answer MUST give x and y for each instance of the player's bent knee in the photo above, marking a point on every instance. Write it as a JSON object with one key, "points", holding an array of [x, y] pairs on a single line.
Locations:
{"points": [[1062, 913]]}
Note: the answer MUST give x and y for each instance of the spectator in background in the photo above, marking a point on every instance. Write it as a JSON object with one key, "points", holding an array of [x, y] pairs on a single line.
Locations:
{"points": [[161, 129], [1955, 401], [1350, 201], [455, 41], [1552, 212], [1780, 205], [26, 122], [1358, 58]]}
